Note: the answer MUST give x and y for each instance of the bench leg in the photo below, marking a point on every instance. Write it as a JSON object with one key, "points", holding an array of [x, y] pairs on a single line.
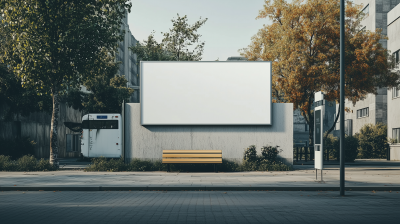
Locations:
{"points": [[215, 167], [168, 170]]}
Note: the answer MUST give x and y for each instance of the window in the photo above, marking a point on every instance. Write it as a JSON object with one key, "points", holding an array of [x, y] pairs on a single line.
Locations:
{"points": [[96, 124], [363, 112], [396, 56], [395, 92], [348, 127], [396, 135]]}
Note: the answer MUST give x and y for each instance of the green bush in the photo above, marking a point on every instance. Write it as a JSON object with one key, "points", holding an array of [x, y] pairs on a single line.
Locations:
{"points": [[16, 148], [332, 144], [373, 141], [250, 154], [6, 164], [270, 153], [25, 163]]}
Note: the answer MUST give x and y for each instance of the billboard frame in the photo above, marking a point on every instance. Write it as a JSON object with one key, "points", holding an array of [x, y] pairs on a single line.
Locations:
{"points": [[203, 124]]}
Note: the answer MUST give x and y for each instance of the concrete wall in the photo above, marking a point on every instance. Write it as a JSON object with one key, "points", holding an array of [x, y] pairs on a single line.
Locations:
{"points": [[394, 29], [147, 142]]}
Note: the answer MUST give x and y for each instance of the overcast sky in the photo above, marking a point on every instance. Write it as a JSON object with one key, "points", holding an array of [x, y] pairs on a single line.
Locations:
{"points": [[230, 24]]}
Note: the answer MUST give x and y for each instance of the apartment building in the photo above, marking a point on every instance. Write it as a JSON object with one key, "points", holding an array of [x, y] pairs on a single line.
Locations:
{"points": [[373, 109], [393, 99]]}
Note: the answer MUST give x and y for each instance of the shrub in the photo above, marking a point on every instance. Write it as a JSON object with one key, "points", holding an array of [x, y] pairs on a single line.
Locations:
{"points": [[16, 148], [25, 163], [44, 165], [250, 154], [6, 163], [270, 153], [351, 147], [104, 164], [373, 141]]}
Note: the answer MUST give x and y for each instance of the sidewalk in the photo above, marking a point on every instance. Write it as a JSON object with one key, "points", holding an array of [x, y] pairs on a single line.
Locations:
{"points": [[358, 178]]}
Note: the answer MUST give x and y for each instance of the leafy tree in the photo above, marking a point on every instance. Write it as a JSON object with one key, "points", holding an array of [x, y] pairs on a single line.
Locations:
{"points": [[181, 43], [303, 44], [151, 50], [17, 100], [107, 90], [373, 141], [182, 35], [52, 45]]}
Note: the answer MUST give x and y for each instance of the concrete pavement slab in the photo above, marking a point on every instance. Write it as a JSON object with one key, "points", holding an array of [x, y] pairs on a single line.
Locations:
{"points": [[387, 178]]}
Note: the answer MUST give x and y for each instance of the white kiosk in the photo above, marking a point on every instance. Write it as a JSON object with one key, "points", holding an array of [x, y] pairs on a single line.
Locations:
{"points": [[319, 111]]}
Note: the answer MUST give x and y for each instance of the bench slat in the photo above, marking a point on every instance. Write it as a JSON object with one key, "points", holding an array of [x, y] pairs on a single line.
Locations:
{"points": [[190, 160], [192, 151], [192, 155]]}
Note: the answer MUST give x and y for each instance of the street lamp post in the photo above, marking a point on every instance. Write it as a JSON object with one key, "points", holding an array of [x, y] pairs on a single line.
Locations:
{"points": [[342, 91]]}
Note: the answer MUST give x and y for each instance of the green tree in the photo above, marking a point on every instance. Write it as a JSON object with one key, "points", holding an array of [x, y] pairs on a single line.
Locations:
{"points": [[17, 100], [181, 43], [151, 50], [52, 45], [107, 90], [373, 142]]}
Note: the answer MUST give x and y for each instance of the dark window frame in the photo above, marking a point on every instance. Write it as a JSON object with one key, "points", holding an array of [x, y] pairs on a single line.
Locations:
{"points": [[100, 124], [364, 112], [396, 135]]}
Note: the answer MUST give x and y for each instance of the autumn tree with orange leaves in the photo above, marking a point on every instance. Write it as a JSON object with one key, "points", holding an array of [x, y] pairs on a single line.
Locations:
{"points": [[303, 44]]}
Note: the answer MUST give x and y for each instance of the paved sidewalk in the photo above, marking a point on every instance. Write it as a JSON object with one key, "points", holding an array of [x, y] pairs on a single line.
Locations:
{"points": [[357, 178]]}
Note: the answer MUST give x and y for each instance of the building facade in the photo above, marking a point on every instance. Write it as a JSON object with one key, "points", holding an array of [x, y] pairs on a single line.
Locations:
{"points": [[129, 66], [374, 108], [393, 99]]}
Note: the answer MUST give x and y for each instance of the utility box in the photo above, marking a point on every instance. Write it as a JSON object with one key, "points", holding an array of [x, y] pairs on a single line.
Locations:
{"points": [[319, 111]]}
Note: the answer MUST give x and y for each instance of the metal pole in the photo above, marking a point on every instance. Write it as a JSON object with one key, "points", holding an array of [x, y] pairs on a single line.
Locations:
{"points": [[342, 92]]}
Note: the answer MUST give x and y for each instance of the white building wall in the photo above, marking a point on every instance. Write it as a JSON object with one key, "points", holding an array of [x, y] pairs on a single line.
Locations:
{"points": [[393, 102]]}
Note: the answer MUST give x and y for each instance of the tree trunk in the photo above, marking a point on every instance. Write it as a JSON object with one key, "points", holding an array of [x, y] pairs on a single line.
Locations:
{"points": [[54, 131]]}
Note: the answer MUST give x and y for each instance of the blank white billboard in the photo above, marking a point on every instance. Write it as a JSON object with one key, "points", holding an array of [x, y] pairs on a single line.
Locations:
{"points": [[205, 93]]}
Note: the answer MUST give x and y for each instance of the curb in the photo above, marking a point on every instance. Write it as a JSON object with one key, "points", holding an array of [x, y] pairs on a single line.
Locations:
{"points": [[100, 188]]}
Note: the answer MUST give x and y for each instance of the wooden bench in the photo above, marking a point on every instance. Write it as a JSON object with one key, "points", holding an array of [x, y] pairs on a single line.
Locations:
{"points": [[192, 156]]}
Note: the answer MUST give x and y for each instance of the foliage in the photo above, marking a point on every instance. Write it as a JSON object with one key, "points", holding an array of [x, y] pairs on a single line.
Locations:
{"points": [[19, 100], [270, 153], [107, 90], [54, 45], [182, 36], [332, 145], [181, 43], [17, 147], [373, 141], [351, 147], [250, 154], [303, 44], [25, 163], [151, 50]]}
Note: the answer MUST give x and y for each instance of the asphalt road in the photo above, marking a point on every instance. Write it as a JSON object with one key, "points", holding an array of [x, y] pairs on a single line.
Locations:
{"points": [[199, 207]]}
